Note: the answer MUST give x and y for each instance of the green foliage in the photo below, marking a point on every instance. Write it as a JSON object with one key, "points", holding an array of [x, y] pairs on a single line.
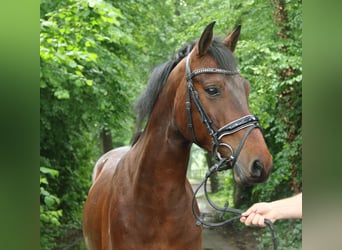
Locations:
{"points": [[50, 213], [153, 26], [285, 240], [275, 72], [85, 84], [83, 59], [224, 194]]}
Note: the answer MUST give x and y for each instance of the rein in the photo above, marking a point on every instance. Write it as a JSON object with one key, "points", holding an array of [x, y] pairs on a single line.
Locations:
{"points": [[200, 219], [249, 122]]}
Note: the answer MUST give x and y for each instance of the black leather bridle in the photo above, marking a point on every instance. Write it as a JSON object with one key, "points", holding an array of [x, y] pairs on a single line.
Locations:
{"points": [[249, 122]]}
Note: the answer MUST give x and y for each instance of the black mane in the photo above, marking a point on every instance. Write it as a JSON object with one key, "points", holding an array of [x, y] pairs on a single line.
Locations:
{"points": [[157, 80], [160, 74]]}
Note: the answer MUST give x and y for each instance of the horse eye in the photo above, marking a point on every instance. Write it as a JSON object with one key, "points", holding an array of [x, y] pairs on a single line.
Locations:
{"points": [[212, 91]]}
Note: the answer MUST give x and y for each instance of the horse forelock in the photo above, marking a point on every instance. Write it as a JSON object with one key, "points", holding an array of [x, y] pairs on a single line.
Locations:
{"points": [[223, 56], [160, 74]]}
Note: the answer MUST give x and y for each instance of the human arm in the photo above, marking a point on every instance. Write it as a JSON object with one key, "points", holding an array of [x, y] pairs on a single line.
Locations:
{"points": [[288, 208]]}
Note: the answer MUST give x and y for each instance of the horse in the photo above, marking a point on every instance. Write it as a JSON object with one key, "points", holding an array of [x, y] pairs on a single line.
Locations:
{"points": [[140, 197]]}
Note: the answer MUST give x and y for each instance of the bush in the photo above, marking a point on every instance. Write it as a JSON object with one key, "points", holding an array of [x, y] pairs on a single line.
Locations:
{"points": [[50, 213]]}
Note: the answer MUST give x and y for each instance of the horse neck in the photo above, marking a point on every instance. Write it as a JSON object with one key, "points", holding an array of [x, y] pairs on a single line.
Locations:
{"points": [[162, 152]]}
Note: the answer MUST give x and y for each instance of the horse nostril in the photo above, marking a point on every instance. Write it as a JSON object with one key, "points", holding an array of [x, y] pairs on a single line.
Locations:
{"points": [[257, 169]]}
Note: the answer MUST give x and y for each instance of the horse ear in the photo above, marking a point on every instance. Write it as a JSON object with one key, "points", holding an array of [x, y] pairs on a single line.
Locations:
{"points": [[206, 39], [232, 39]]}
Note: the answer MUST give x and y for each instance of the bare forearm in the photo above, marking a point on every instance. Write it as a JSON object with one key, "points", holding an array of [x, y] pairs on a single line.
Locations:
{"points": [[288, 208]]}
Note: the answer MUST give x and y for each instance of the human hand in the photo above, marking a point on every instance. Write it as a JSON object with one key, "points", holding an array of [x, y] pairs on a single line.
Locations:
{"points": [[257, 214], [288, 208]]}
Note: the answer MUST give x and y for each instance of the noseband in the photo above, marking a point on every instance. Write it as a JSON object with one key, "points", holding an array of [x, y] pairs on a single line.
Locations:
{"points": [[248, 121]]}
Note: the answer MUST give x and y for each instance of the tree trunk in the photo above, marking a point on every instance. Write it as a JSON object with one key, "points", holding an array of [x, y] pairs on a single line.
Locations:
{"points": [[106, 142], [242, 195], [289, 96], [214, 181], [280, 18]]}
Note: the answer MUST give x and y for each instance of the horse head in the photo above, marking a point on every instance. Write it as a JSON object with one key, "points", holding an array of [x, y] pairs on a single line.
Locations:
{"points": [[213, 112]]}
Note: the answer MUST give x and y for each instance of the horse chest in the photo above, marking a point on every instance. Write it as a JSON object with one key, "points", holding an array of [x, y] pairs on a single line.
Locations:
{"points": [[157, 235], [141, 225]]}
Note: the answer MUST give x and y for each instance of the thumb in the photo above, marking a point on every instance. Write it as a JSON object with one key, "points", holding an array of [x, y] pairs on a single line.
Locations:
{"points": [[247, 212]]}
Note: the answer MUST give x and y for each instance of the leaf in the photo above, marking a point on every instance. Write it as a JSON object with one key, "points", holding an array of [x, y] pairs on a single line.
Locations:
{"points": [[44, 192], [92, 3], [49, 201], [62, 94], [44, 181], [42, 84], [72, 64], [89, 82], [92, 57], [50, 171]]}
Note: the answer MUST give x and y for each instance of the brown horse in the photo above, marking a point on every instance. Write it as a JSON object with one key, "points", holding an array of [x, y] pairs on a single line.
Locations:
{"points": [[141, 198]]}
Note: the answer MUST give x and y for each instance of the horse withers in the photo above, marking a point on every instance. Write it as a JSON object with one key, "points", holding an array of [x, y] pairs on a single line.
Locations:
{"points": [[140, 197]]}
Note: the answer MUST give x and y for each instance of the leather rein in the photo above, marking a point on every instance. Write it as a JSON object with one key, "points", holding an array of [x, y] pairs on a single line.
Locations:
{"points": [[249, 122]]}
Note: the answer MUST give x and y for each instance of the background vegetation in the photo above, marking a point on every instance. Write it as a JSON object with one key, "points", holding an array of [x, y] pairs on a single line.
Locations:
{"points": [[95, 58]]}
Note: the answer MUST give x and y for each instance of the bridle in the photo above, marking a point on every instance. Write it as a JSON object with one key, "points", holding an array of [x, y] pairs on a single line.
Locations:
{"points": [[249, 122]]}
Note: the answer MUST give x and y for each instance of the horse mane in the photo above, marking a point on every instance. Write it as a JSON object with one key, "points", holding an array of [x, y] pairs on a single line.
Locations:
{"points": [[157, 80], [160, 74]]}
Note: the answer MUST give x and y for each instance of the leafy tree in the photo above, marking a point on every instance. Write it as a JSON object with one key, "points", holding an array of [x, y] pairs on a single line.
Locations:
{"points": [[85, 85], [152, 25]]}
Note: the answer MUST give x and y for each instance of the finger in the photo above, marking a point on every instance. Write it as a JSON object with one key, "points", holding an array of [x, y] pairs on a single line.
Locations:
{"points": [[261, 221], [258, 220], [243, 219], [245, 214], [255, 220], [249, 211], [249, 219]]}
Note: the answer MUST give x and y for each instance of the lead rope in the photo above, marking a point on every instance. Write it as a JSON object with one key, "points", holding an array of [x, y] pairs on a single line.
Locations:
{"points": [[200, 219]]}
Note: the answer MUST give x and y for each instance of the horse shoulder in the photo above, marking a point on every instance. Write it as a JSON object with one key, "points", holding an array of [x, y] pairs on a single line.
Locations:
{"points": [[95, 222], [109, 160]]}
